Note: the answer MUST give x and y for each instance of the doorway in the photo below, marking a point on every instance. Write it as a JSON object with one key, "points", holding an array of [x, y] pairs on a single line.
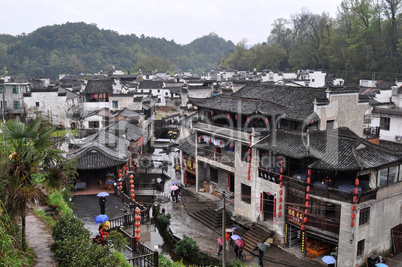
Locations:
{"points": [[268, 206], [231, 182]]}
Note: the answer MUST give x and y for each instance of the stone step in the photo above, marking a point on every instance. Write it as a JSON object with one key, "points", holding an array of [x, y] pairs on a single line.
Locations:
{"points": [[254, 235]]}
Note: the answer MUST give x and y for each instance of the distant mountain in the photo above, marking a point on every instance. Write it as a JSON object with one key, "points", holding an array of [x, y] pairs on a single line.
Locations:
{"points": [[80, 47]]}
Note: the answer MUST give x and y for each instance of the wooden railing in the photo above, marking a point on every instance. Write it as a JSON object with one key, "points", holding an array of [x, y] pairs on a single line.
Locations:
{"points": [[146, 256], [227, 158], [327, 192]]}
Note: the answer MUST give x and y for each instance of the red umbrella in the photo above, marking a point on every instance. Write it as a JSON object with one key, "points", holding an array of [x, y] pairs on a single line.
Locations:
{"points": [[239, 243], [220, 241]]}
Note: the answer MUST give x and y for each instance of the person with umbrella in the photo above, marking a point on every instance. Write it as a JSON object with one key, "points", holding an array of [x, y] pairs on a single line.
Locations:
{"points": [[228, 234], [220, 243], [102, 201], [262, 247], [173, 189], [240, 244]]}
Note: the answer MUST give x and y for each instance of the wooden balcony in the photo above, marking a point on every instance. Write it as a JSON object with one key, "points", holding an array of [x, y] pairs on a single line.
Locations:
{"points": [[226, 158]]}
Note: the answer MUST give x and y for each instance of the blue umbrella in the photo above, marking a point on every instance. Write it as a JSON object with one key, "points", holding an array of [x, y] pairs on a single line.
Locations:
{"points": [[328, 259], [102, 194], [175, 183], [101, 218], [235, 237], [380, 265]]}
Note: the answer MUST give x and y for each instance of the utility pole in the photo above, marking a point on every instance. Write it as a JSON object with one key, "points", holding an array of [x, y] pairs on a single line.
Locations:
{"points": [[223, 229]]}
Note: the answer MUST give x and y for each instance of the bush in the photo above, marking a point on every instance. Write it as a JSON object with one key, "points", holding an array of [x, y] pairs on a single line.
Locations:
{"points": [[55, 197], [187, 247], [73, 246], [163, 220]]}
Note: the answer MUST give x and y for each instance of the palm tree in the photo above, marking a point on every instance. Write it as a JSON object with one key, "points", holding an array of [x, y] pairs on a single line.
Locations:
{"points": [[30, 152]]}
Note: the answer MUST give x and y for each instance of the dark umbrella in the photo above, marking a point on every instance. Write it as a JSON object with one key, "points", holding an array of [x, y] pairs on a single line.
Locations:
{"points": [[262, 246], [239, 243]]}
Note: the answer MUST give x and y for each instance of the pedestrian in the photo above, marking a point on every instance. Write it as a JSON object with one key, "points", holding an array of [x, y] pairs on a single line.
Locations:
{"points": [[105, 226], [102, 203], [173, 195], [260, 257], [240, 253], [177, 193], [236, 250], [227, 239], [220, 249]]}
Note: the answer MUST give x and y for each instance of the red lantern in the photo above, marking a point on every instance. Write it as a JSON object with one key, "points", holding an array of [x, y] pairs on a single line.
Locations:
{"points": [[266, 120], [137, 224], [248, 119], [354, 199], [249, 177], [249, 151], [307, 196], [305, 220], [302, 227], [120, 183], [137, 217], [132, 195], [250, 144], [137, 231], [249, 171], [231, 146], [279, 207], [138, 237], [131, 177], [249, 159], [281, 170], [120, 175], [137, 211], [249, 165], [308, 188], [357, 182], [280, 185], [236, 117], [279, 214], [228, 115], [132, 186], [212, 112], [281, 162], [280, 192], [120, 188], [356, 191], [132, 191], [354, 207], [280, 177], [309, 172], [308, 180], [220, 143], [307, 204], [280, 199], [352, 224], [131, 181], [353, 216], [306, 212]]}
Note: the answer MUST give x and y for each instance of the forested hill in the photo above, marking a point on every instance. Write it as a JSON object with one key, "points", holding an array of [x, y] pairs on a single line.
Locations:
{"points": [[81, 47]]}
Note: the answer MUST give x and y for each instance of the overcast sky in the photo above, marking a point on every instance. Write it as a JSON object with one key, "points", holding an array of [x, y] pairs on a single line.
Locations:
{"points": [[182, 21]]}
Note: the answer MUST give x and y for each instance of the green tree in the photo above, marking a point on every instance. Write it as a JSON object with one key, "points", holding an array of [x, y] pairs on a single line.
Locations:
{"points": [[29, 148]]}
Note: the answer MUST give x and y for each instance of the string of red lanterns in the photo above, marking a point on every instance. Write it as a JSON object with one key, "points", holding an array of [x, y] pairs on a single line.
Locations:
{"points": [[356, 192], [249, 157], [305, 220], [120, 180], [137, 225], [132, 187]]}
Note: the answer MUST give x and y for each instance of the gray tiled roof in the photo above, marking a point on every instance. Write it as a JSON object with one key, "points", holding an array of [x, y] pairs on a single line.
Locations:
{"points": [[99, 86], [387, 111], [131, 131], [339, 149], [150, 85], [187, 145], [94, 156], [293, 103]]}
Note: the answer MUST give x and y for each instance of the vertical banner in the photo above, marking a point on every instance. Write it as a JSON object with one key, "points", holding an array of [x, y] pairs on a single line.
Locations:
{"points": [[303, 243], [261, 202], [286, 235]]}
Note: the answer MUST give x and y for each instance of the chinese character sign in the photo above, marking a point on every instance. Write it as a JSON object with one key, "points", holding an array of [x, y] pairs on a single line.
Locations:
{"points": [[295, 216]]}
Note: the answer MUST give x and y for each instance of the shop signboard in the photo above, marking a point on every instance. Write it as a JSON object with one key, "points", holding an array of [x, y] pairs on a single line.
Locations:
{"points": [[189, 164], [295, 217]]}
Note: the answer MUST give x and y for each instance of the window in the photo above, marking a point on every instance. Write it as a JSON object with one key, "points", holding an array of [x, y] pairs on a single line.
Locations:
{"points": [[384, 123], [166, 93], [360, 248], [93, 124], [244, 153], [246, 193], [388, 176], [1, 89], [15, 89], [37, 104], [115, 104], [16, 104], [330, 124], [159, 91], [364, 217]]}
